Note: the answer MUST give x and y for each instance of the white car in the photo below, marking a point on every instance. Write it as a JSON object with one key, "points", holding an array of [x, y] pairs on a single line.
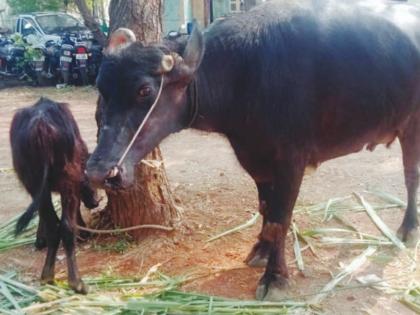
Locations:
{"points": [[40, 27]]}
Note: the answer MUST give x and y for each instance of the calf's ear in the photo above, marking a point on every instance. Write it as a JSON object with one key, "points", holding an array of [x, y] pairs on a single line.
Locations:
{"points": [[120, 38], [194, 51]]}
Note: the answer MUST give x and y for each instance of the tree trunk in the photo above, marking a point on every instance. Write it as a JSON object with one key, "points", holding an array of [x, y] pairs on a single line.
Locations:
{"points": [[143, 17], [90, 22], [149, 201]]}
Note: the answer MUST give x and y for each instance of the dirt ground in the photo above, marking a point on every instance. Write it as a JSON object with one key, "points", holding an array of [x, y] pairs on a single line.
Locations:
{"points": [[216, 194]]}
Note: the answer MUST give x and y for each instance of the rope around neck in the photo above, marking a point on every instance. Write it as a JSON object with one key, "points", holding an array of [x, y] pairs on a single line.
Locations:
{"points": [[115, 169], [124, 155], [194, 103]]}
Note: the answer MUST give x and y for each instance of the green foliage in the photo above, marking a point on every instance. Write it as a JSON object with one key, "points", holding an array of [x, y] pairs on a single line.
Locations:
{"points": [[30, 53], [26, 6]]}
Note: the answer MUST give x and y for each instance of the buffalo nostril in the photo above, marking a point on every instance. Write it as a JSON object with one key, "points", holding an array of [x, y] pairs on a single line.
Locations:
{"points": [[114, 172], [114, 179]]}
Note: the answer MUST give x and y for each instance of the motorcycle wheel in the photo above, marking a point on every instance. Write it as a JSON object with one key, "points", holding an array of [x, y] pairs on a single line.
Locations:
{"points": [[84, 76], [40, 80], [66, 77]]}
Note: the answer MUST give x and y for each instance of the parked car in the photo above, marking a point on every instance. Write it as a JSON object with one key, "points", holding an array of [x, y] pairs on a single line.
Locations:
{"points": [[40, 27], [59, 49]]}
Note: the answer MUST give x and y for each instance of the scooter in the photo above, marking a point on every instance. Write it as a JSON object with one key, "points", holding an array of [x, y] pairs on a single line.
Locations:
{"points": [[81, 63]]}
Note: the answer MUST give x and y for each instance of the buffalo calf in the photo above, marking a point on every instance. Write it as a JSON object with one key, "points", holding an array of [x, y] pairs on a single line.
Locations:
{"points": [[49, 155]]}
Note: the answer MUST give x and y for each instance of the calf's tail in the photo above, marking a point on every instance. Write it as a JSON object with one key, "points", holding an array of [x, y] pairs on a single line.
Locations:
{"points": [[29, 213]]}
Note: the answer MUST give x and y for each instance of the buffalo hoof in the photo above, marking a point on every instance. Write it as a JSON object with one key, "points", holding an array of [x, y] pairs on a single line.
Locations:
{"points": [[47, 279], [79, 287], [271, 288], [40, 243], [258, 257], [409, 235]]}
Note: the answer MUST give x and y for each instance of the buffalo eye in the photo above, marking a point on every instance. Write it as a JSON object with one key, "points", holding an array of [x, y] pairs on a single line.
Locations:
{"points": [[145, 91]]}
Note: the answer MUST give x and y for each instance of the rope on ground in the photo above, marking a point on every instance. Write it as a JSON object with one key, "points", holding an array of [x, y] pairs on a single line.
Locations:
{"points": [[131, 228]]}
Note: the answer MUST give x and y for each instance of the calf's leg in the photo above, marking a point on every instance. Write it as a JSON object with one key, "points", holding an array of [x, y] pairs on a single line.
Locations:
{"points": [[49, 219], [41, 236], [282, 198], [90, 199], [70, 200], [410, 145], [88, 194]]}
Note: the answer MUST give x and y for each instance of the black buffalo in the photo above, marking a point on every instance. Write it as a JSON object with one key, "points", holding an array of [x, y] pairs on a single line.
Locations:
{"points": [[291, 84], [50, 155]]}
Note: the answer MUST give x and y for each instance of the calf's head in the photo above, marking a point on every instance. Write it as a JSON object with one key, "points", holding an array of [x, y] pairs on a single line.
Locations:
{"points": [[129, 81]]}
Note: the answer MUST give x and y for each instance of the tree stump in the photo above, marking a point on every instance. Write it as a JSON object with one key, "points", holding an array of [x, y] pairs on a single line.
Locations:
{"points": [[149, 201]]}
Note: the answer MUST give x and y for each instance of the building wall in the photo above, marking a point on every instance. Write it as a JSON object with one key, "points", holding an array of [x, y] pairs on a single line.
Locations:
{"points": [[221, 8], [4, 14], [198, 11], [173, 16]]}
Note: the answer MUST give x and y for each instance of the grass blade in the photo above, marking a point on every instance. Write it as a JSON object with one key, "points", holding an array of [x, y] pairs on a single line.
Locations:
{"points": [[6, 293], [349, 241], [344, 222], [6, 170], [412, 299], [247, 224], [18, 285], [297, 249], [327, 212], [379, 223], [387, 197], [344, 231], [348, 270]]}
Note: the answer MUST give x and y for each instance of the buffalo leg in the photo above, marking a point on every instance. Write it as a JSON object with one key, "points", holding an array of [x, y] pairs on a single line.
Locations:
{"points": [[410, 145], [259, 168], [281, 201], [258, 256], [71, 206], [49, 219]]}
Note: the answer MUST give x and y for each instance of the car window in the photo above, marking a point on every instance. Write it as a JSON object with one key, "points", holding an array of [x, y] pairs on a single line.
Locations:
{"points": [[27, 28], [58, 23]]}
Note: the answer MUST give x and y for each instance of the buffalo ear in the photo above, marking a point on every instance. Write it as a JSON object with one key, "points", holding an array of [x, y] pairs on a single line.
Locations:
{"points": [[119, 39], [194, 51]]}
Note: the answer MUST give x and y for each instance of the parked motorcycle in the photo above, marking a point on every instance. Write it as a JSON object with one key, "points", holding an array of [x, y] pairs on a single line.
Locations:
{"points": [[11, 59], [71, 60], [37, 66], [81, 62], [21, 62], [75, 59], [66, 60], [52, 60], [95, 59]]}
